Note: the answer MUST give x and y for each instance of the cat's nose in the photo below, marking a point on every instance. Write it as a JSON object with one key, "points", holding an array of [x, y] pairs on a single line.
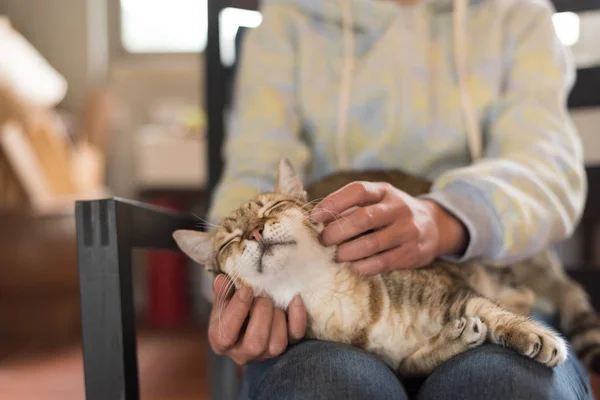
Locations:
{"points": [[256, 232]]}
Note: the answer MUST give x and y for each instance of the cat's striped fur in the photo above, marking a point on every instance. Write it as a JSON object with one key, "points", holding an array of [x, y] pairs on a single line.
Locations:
{"points": [[413, 319]]}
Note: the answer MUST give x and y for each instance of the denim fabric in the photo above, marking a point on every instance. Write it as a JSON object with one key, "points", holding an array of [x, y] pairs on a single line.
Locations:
{"points": [[322, 370]]}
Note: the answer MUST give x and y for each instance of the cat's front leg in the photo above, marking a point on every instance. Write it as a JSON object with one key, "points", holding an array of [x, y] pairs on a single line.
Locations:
{"points": [[456, 337]]}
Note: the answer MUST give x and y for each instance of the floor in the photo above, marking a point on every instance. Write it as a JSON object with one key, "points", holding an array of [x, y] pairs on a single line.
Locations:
{"points": [[172, 366]]}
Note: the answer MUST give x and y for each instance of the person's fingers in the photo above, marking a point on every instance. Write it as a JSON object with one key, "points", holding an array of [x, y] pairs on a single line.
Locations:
{"points": [[278, 339], [351, 195], [222, 286], [381, 240], [362, 220], [405, 256], [224, 328], [297, 320], [223, 290], [256, 339]]}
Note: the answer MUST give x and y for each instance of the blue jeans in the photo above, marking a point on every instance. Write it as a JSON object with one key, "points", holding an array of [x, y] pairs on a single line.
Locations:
{"points": [[325, 370]]}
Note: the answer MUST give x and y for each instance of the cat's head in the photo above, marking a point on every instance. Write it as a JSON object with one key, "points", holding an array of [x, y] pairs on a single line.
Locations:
{"points": [[261, 242]]}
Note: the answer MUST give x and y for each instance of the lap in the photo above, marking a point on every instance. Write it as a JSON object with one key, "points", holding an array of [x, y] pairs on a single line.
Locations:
{"points": [[326, 370], [321, 370], [493, 372]]}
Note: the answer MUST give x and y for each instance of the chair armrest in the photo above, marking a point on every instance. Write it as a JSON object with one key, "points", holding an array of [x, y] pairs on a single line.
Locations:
{"points": [[141, 224], [107, 230]]}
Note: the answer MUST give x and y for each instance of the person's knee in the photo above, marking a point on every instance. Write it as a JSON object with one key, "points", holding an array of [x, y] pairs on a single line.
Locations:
{"points": [[323, 370], [492, 372]]}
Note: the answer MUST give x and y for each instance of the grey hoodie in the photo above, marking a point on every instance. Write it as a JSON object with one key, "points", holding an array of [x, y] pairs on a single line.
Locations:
{"points": [[375, 85]]}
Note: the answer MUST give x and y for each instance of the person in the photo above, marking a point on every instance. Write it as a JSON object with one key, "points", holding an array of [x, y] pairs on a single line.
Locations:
{"points": [[468, 93]]}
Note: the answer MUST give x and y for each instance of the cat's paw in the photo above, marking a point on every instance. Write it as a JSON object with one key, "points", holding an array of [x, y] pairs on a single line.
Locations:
{"points": [[470, 330], [539, 344], [475, 332]]}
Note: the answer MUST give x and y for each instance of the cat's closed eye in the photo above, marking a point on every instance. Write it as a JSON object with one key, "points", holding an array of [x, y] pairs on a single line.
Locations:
{"points": [[276, 206], [234, 239]]}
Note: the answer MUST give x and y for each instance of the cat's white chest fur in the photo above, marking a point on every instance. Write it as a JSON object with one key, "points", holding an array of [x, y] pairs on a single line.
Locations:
{"points": [[305, 273], [327, 293]]}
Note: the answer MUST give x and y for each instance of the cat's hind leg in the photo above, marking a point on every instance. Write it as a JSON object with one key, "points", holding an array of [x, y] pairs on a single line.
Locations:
{"points": [[518, 332], [456, 337]]}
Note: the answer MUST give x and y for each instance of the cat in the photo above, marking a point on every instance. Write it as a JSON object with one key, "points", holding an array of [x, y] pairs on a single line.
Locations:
{"points": [[414, 320]]}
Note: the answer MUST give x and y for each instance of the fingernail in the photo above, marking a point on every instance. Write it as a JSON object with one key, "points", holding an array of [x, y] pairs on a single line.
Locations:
{"points": [[296, 301], [245, 293]]}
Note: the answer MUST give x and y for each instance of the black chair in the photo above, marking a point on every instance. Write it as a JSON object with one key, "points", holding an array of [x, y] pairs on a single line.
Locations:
{"points": [[108, 230]]}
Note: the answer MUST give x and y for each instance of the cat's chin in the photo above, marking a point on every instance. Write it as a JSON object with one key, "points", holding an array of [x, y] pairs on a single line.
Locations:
{"points": [[275, 259]]}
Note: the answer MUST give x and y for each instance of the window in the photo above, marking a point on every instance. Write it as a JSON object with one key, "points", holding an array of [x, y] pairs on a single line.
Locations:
{"points": [[179, 26], [230, 20], [568, 27], [580, 32], [163, 26]]}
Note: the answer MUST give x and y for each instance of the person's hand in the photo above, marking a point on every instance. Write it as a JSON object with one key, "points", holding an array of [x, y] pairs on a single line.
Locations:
{"points": [[401, 231], [267, 332]]}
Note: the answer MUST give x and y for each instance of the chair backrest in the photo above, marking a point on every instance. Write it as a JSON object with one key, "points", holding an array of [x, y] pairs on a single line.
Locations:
{"points": [[575, 5]]}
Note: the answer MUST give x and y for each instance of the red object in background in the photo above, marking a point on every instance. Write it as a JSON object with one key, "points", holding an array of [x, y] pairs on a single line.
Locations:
{"points": [[168, 301]]}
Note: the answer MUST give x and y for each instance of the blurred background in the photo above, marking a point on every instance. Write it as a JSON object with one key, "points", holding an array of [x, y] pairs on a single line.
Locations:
{"points": [[102, 98]]}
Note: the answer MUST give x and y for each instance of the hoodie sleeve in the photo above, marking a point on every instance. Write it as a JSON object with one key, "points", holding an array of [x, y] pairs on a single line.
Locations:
{"points": [[528, 191], [264, 124]]}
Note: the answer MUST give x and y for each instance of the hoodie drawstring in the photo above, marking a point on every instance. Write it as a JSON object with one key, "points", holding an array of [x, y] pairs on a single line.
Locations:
{"points": [[346, 82], [460, 57]]}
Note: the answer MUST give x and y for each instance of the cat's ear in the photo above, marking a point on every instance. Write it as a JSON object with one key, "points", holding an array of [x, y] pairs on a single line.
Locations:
{"points": [[196, 245], [288, 181]]}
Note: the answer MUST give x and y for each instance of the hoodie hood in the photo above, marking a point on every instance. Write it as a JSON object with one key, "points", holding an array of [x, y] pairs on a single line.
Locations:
{"points": [[368, 15], [376, 16]]}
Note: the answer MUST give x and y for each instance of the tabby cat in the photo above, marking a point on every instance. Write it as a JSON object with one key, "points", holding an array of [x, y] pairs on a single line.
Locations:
{"points": [[413, 319]]}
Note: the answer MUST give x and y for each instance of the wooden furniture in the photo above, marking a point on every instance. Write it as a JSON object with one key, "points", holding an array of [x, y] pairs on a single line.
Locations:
{"points": [[39, 292]]}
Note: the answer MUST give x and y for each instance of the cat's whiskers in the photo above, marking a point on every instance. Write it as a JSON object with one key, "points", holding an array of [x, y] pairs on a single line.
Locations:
{"points": [[234, 277], [312, 202], [337, 217], [205, 222], [220, 306]]}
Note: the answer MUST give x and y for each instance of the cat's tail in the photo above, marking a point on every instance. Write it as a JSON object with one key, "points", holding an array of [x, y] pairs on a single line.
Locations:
{"points": [[545, 275]]}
